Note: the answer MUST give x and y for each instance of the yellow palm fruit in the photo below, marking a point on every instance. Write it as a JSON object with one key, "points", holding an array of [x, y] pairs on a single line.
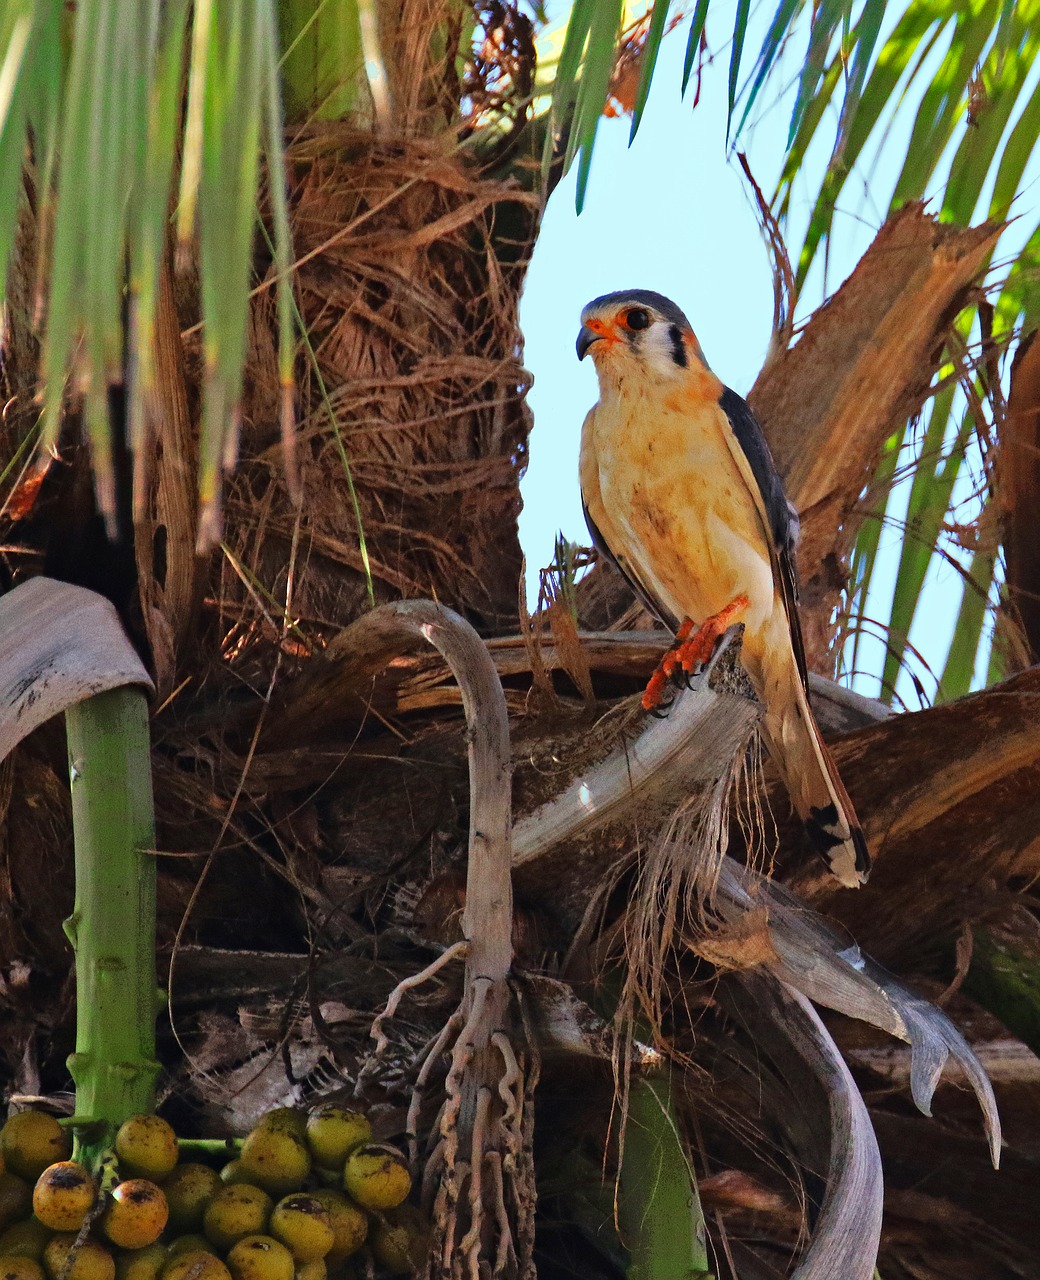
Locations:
{"points": [[32, 1140], [147, 1148], [16, 1266], [63, 1259], [27, 1239], [142, 1264], [235, 1212], [188, 1244], [276, 1159], [288, 1119], [63, 1196], [333, 1132], [400, 1240], [136, 1215], [15, 1199], [260, 1258], [304, 1226], [195, 1264], [349, 1226], [188, 1190], [377, 1177]]}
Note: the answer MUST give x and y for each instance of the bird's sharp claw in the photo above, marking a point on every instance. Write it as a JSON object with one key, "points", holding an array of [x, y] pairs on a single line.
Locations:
{"points": [[654, 691], [692, 650], [669, 668]]}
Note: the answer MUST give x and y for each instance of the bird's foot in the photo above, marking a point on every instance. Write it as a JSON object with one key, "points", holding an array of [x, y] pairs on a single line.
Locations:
{"points": [[692, 649], [695, 651], [653, 694]]}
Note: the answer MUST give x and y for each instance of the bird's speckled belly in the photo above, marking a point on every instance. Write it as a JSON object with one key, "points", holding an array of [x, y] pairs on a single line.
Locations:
{"points": [[674, 485]]}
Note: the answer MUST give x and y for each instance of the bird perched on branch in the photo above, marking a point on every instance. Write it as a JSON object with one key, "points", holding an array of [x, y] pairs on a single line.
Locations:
{"points": [[681, 493]]}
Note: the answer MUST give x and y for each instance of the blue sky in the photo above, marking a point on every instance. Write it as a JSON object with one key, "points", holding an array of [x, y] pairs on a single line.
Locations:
{"points": [[673, 213], [670, 213]]}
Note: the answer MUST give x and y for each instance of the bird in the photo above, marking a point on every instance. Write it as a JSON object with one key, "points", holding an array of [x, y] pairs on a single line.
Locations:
{"points": [[682, 495]]}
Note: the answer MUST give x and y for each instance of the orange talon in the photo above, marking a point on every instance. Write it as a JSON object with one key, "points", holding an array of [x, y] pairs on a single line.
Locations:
{"points": [[693, 647], [654, 689], [666, 667], [698, 649]]}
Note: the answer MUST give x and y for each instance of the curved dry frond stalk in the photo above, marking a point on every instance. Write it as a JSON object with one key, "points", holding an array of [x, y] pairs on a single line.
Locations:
{"points": [[696, 742], [786, 938], [479, 1179], [60, 644], [787, 1030], [823, 963]]}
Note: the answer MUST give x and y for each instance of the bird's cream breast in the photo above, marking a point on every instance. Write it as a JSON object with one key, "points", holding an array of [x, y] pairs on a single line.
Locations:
{"points": [[668, 479]]}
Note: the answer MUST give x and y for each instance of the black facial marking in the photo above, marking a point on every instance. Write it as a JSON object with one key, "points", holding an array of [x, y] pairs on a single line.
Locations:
{"points": [[678, 346]]}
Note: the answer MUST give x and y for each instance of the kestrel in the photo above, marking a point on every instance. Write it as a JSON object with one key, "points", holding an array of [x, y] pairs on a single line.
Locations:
{"points": [[681, 493]]}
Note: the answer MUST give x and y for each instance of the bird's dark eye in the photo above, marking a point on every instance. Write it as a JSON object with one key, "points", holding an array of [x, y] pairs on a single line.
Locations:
{"points": [[638, 318]]}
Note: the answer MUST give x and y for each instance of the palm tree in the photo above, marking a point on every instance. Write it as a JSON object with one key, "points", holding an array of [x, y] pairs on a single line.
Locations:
{"points": [[257, 426]]}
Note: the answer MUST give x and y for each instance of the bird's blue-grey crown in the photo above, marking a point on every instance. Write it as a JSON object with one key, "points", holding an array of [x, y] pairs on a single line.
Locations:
{"points": [[641, 297]]}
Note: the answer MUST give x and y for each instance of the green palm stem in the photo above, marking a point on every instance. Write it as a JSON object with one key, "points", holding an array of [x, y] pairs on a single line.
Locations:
{"points": [[659, 1213], [659, 1210], [112, 927]]}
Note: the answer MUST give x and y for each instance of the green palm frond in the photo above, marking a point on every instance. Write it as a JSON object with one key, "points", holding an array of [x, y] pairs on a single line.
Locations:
{"points": [[95, 102], [955, 81]]}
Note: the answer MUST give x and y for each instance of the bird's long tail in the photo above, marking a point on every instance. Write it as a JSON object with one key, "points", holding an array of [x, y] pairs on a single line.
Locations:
{"points": [[792, 738]]}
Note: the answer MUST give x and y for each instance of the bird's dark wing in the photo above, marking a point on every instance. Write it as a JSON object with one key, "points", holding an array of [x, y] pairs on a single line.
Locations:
{"points": [[652, 605], [782, 517]]}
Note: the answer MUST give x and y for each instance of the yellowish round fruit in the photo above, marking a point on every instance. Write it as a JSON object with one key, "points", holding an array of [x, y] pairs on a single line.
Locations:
{"points": [[333, 1133], [26, 1239], [136, 1215], [32, 1140], [88, 1261], [188, 1189], [236, 1212], [304, 1226], [377, 1177], [16, 1266], [275, 1159], [142, 1264], [63, 1196], [349, 1226], [260, 1258], [195, 1264], [288, 1119], [15, 1199], [146, 1147]]}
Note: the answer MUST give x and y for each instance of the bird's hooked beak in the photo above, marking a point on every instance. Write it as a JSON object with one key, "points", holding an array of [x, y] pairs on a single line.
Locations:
{"points": [[587, 335]]}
